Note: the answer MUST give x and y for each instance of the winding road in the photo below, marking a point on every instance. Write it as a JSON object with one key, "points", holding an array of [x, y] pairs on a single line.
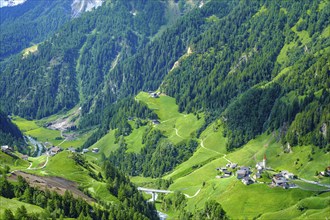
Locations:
{"points": [[224, 155]]}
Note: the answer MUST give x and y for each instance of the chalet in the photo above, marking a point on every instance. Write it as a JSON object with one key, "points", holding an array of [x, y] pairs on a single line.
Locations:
{"points": [[24, 157], [54, 150], [247, 180], [95, 150]]}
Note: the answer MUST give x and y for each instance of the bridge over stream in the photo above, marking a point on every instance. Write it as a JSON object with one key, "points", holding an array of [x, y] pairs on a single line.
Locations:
{"points": [[153, 192]]}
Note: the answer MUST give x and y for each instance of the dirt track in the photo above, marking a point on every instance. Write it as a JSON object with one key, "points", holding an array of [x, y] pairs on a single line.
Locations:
{"points": [[58, 184]]}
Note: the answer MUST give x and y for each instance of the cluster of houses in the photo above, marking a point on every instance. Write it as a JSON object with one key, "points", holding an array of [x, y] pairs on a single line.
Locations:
{"points": [[243, 173], [282, 179], [55, 150]]}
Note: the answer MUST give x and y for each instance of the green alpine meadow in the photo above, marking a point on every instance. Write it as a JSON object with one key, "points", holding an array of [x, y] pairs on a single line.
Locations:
{"points": [[165, 109]]}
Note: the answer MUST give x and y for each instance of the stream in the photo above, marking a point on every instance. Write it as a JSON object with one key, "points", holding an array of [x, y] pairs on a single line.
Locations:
{"points": [[37, 144]]}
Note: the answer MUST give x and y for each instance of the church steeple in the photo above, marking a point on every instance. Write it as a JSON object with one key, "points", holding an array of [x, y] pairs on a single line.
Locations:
{"points": [[264, 161]]}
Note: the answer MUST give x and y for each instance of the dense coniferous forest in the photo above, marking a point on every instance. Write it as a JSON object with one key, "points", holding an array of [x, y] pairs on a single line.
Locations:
{"points": [[250, 67], [9, 133], [157, 157], [233, 47], [30, 23], [131, 206]]}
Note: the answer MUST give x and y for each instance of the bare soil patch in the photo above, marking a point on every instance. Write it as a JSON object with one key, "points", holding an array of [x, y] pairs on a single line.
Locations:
{"points": [[57, 184]]}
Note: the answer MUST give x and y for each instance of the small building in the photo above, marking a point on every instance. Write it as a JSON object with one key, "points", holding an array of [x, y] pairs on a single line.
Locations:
{"points": [[54, 150], [155, 122], [233, 165], [222, 169], [247, 180], [71, 149], [6, 148], [241, 174], [154, 95], [247, 169], [85, 150], [227, 173], [287, 175], [280, 180], [327, 171], [24, 157], [95, 150]]}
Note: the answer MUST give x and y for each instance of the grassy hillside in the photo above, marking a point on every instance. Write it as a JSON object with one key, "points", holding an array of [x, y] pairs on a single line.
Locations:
{"points": [[63, 165], [241, 201], [196, 176], [36, 129], [13, 204], [13, 162], [174, 125]]}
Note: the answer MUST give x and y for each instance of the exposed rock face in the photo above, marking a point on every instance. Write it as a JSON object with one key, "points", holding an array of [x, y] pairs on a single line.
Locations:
{"points": [[80, 6], [10, 3]]}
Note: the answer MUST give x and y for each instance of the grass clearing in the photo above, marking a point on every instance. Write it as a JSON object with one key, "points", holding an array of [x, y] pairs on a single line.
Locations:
{"points": [[30, 50], [303, 35], [13, 163], [105, 145], [283, 55], [13, 204], [46, 135], [175, 125], [23, 124], [134, 140]]}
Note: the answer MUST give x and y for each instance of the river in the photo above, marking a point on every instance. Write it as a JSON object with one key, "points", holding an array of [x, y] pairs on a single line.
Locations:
{"points": [[36, 144]]}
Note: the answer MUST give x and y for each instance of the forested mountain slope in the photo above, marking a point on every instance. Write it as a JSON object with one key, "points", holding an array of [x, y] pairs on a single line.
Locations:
{"points": [[70, 67], [9, 133], [264, 60], [267, 65], [30, 23]]}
